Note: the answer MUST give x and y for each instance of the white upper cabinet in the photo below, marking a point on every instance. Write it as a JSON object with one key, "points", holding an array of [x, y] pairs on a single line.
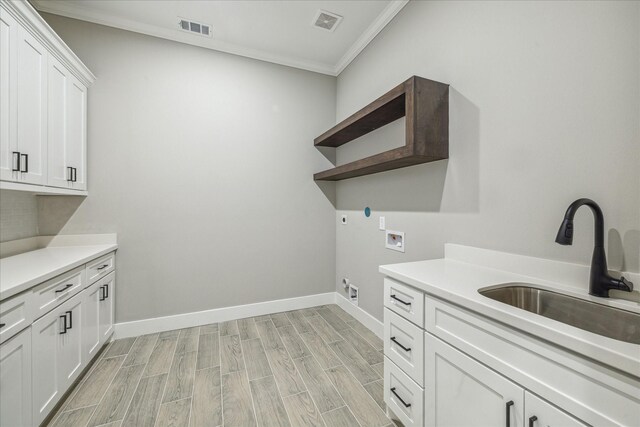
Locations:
{"points": [[67, 128], [43, 107], [8, 84]]}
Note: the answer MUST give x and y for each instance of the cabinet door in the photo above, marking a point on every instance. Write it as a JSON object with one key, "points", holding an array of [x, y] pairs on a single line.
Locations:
{"points": [[70, 342], [58, 173], [108, 284], [460, 391], [31, 108], [15, 380], [540, 413], [50, 384], [91, 320], [76, 121], [8, 86]]}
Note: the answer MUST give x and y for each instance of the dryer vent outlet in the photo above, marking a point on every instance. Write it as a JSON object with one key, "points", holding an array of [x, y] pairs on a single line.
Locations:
{"points": [[353, 294]]}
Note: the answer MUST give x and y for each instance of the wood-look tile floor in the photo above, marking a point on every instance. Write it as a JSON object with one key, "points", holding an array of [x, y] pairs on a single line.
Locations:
{"points": [[312, 367]]}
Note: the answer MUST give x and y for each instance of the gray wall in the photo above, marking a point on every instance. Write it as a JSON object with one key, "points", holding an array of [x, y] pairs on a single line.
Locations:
{"points": [[544, 109], [202, 162], [18, 215]]}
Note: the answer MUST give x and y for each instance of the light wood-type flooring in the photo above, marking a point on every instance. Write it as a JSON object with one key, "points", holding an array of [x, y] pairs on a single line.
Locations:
{"points": [[312, 367]]}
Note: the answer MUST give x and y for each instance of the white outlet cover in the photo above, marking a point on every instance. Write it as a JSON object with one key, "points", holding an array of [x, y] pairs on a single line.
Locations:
{"points": [[343, 220], [382, 225]]}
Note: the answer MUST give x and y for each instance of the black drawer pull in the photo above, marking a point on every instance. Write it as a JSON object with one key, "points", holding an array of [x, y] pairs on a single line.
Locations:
{"points": [[70, 313], [64, 318], [509, 404], [75, 174], [70, 174], [406, 405], [16, 161], [65, 288], [106, 287], [399, 300], [532, 420], [26, 163], [2, 325], [103, 267], [400, 345], [102, 294]]}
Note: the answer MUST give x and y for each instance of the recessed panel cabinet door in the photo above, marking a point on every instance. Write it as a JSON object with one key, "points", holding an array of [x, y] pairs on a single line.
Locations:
{"points": [[8, 85], [91, 320], [58, 171], [70, 343], [76, 119], [540, 413], [32, 108], [108, 285], [15, 380], [459, 391], [50, 385]]}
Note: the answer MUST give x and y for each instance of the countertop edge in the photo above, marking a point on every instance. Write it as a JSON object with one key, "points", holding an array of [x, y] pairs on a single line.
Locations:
{"points": [[15, 290]]}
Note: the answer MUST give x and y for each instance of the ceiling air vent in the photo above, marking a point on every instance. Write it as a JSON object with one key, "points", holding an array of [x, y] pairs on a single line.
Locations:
{"points": [[195, 27], [327, 21]]}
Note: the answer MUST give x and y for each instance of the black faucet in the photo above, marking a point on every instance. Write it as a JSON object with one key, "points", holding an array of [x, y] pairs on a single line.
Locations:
{"points": [[600, 282]]}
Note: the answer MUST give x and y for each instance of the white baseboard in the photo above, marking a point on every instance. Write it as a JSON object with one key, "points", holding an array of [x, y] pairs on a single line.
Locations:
{"points": [[361, 316], [188, 320]]}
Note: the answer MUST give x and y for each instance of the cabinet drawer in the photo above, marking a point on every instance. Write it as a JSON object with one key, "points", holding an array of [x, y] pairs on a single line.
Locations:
{"points": [[54, 292], [403, 396], [404, 300], [100, 267], [404, 345], [16, 313]]}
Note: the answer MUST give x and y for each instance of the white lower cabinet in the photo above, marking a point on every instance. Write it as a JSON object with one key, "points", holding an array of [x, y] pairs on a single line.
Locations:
{"points": [[459, 391], [58, 356], [403, 396], [15, 380], [107, 306], [98, 314]]}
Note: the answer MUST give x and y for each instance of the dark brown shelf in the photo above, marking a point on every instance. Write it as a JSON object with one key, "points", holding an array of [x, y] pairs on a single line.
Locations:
{"points": [[425, 103]]}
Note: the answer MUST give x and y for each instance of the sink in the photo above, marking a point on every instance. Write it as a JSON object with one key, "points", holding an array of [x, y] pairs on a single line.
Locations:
{"points": [[600, 319]]}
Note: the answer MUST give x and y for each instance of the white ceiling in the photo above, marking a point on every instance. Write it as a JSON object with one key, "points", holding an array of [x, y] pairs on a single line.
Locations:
{"points": [[274, 31]]}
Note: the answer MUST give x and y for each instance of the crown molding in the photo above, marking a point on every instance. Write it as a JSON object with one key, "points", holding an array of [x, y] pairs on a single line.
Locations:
{"points": [[369, 34], [27, 16], [84, 14]]}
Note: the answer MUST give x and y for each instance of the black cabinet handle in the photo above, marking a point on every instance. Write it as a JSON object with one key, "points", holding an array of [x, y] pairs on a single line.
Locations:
{"points": [[400, 345], [532, 420], [102, 294], [103, 267], [406, 405], [508, 412], [26, 163], [65, 288], [2, 325], [399, 300], [70, 313], [64, 318], [75, 174], [70, 174], [16, 161], [106, 287]]}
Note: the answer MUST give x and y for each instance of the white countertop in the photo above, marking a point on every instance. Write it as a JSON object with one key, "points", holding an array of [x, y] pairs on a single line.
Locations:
{"points": [[458, 282], [21, 272]]}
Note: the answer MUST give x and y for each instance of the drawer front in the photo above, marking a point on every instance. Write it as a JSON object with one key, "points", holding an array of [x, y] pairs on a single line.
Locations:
{"points": [[100, 267], [403, 396], [404, 300], [404, 345], [584, 389], [16, 313], [54, 292]]}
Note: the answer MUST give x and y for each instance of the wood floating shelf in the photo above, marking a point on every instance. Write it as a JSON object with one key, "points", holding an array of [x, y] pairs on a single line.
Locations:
{"points": [[424, 103]]}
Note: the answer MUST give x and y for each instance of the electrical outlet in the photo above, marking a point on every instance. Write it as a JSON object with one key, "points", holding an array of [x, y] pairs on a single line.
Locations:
{"points": [[343, 220], [382, 225]]}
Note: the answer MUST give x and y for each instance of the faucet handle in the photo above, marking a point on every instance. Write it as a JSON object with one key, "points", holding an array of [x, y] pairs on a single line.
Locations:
{"points": [[626, 285]]}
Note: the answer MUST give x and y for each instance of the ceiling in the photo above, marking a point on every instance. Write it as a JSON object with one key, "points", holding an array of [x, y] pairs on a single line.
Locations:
{"points": [[275, 31]]}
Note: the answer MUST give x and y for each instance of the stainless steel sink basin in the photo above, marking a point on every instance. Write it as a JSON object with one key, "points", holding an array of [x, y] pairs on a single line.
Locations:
{"points": [[600, 319]]}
